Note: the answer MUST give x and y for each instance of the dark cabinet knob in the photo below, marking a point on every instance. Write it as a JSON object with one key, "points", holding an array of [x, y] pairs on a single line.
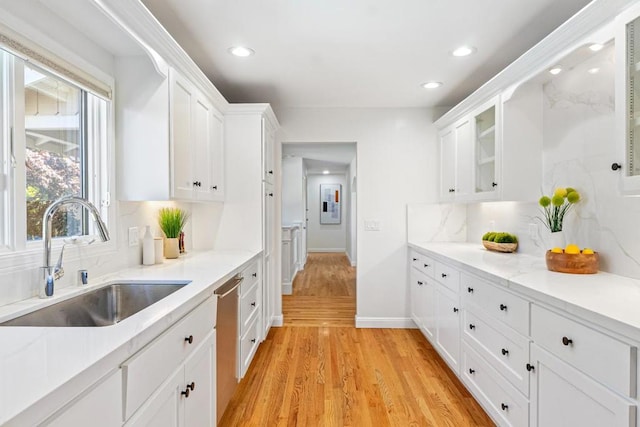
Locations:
{"points": [[270, 194], [253, 341], [444, 275], [472, 371], [426, 265], [192, 386], [253, 304], [186, 392], [420, 283], [270, 172], [615, 166], [504, 406], [470, 290], [567, 341], [197, 183], [472, 326], [189, 339], [452, 190], [503, 307], [494, 184], [505, 352], [255, 274], [214, 187], [530, 367], [415, 259], [455, 309]]}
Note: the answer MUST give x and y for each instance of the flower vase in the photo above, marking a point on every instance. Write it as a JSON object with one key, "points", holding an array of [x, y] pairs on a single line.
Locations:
{"points": [[557, 240], [171, 249]]}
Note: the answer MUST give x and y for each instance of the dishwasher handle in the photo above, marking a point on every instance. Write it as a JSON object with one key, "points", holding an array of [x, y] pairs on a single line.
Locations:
{"points": [[236, 282]]}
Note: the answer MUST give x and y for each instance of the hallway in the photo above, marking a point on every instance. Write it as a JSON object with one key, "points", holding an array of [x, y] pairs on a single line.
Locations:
{"points": [[319, 370]]}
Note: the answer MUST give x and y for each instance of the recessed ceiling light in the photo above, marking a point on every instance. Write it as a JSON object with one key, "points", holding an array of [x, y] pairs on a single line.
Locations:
{"points": [[596, 47], [463, 51], [555, 70], [431, 85], [594, 70], [241, 51], [325, 172]]}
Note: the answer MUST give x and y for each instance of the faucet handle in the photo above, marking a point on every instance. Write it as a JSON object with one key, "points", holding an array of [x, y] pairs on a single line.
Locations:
{"points": [[58, 270]]}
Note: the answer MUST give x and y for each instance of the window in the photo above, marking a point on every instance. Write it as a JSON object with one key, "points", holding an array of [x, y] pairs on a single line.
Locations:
{"points": [[55, 138]]}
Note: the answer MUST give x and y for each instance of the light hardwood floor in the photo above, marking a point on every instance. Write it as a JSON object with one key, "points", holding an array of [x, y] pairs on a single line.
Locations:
{"points": [[322, 373]]}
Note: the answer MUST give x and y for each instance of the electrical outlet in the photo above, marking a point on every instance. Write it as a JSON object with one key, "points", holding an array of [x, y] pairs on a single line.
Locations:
{"points": [[533, 230], [134, 238], [372, 225]]}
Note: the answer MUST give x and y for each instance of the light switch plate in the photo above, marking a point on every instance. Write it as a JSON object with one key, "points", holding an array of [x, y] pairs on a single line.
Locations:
{"points": [[372, 225], [134, 238]]}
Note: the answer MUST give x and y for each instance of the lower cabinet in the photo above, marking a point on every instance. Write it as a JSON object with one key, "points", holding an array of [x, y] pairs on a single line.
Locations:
{"points": [[448, 326], [187, 397], [563, 396]]}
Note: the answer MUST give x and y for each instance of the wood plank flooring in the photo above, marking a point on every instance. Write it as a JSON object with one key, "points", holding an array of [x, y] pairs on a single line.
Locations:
{"points": [[333, 375]]}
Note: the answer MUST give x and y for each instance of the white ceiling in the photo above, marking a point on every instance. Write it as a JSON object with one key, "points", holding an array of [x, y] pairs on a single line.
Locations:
{"points": [[334, 157], [357, 53]]}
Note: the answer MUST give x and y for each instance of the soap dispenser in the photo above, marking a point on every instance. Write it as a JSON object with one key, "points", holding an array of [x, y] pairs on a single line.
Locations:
{"points": [[148, 253]]}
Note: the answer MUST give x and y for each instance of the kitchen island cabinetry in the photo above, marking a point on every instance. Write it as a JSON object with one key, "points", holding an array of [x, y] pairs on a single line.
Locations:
{"points": [[529, 359]]}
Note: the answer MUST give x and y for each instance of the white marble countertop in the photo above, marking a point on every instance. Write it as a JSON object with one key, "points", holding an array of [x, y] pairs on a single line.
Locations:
{"points": [[44, 366], [608, 300]]}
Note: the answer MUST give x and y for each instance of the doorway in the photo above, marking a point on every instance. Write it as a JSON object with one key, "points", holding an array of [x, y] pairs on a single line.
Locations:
{"points": [[318, 218]]}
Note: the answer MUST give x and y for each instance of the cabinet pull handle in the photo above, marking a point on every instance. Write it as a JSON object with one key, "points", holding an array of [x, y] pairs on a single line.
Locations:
{"points": [[615, 166], [494, 184], [472, 326], [197, 183], [503, 307], [214, 187], [271, 172], [452, 190], [470, 290], [567, 341], [253, 304], [253, 341], [426, 265], [505, 352], [192, 386], [255, 274], [504, 406], [189, 339], [415, 259], [444, 275], [186, 392], [455, 309], [420, 283], [530, 367], [270, 194], [472, 371]]}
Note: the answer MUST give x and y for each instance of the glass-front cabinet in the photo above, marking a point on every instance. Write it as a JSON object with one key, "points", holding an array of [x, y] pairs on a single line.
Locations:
{"points": [[485, 134]]}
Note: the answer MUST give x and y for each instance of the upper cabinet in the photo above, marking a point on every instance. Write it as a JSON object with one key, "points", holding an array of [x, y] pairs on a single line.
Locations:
{"points": [[628, 99]]}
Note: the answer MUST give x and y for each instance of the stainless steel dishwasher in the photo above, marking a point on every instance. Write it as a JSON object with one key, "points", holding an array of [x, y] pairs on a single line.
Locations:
{"points": [[226, 343]]}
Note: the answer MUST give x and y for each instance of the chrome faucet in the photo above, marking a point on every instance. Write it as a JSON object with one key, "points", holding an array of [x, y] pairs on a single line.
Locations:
{"points": [[52, 273]]}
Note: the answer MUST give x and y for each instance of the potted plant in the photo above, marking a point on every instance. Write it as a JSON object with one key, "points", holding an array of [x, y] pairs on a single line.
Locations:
{"points": [[172, 221], [554, 209]]}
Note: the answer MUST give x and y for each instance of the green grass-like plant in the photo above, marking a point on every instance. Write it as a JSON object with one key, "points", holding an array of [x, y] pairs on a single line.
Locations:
{"points": [[500, 237], [172, 221]]}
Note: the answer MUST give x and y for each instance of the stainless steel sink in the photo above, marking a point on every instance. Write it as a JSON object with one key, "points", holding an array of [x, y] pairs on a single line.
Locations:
{"points": [[102, 307]]}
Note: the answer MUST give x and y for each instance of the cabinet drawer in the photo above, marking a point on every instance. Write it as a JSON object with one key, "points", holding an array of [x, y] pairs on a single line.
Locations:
{"points": [[501, 400], [499, 303], [151, 366], [506, 350], [251, 276], [248, 345], [448, 276], [604, 358], [249, 305], [422, 263]]}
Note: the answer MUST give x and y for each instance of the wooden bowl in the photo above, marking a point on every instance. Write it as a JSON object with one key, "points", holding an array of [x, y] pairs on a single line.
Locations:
{"points": [[573, 263], [500, 247]]}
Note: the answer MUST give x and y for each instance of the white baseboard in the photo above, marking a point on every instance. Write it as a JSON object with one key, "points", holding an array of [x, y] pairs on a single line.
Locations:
{"points": [[326, 250], [277, 321], [351, 261], [287, 288], [385, 322]]}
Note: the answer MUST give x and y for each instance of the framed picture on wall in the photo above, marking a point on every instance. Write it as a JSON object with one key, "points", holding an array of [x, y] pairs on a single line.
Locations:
{"points": [[330, 203]]}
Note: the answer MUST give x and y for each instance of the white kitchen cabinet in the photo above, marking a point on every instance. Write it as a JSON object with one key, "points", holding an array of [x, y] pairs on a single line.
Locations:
{"points": [[187, 397], [196, 134], [448, 326], [107, 395], [268, 155], [172, 137], [563, 396], [250, 315], [422, 291], [456, 161]]}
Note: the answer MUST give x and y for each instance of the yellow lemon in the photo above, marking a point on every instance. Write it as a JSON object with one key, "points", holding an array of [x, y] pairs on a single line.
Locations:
{"points": [[572, 249], [557, 250], [587, 251]]}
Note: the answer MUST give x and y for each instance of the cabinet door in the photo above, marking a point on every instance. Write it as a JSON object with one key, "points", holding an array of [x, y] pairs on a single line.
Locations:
{"points": [[107, 396], [485, 136], [199, 371], [163, 409], [182, 98], [428, 308], [464, 160], [268, 143], [448, 326], [447, 164], [216, 157], [268, 296], [563, 396], [417, 282], [202, 133], [267, 219]]}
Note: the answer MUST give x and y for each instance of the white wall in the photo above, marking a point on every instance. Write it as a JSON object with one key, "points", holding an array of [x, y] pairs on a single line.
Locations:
{"points": [[293, 183], [397, 165], [351, 213], [326, 237]]}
